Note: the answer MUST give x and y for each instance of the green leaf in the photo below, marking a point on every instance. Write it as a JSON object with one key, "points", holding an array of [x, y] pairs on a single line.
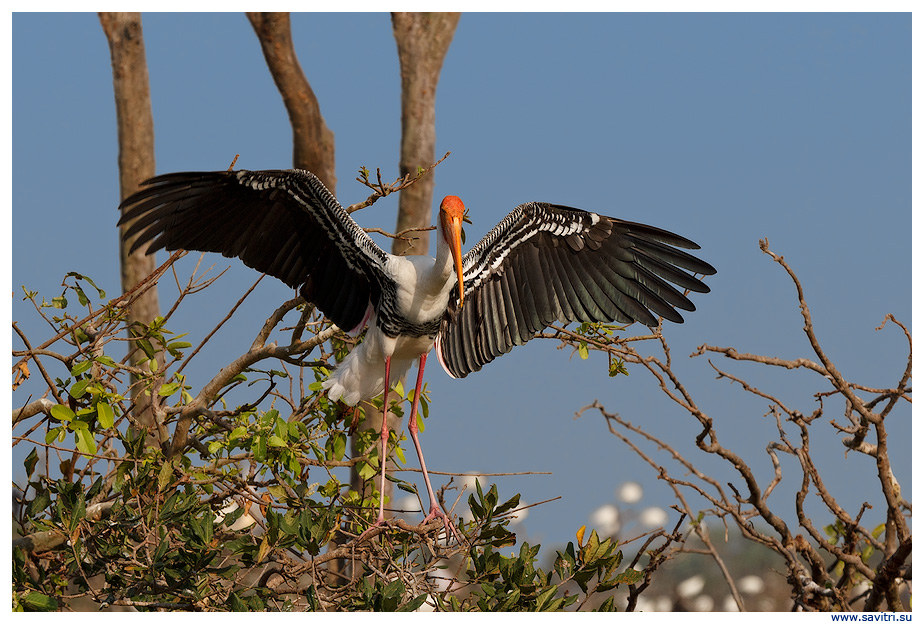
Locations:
{"points": [[105, 360], [174, 346], [582, 350], [275, 440], [145, 345], [339, 444], [36, 601], [38, 504], [544, 599], [510, 504], [236, 604], [265, 547], [104, 415], [237, 433], [366, 470], [62, 412], [168, 389], [629, 576], [413, 605], [162, 548], [609, 605], [78, 510], [30, 462], [86, 443], [282, 427], [165, 476], [100, 291], [511, 601], [81, 367]]}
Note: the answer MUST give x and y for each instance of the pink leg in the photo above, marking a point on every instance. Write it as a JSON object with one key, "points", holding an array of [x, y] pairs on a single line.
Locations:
{"points": [[383, 452], [435, 510], [383, 455]]}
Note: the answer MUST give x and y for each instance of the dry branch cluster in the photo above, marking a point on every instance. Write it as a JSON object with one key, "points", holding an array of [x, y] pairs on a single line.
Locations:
{"points": [[860, 558]]}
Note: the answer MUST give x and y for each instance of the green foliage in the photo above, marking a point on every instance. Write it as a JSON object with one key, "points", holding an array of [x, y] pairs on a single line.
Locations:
{"points": [[247, 517], [599, 337], [514, 583], [853, 542]]}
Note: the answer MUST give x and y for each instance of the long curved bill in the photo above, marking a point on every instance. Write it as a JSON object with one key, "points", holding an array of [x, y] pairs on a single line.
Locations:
{"points": [[455, 246]]}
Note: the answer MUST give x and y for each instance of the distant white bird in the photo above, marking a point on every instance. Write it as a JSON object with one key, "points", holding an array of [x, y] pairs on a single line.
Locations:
{"points": [[542, 264], [652, 517], [691, 587], [629, 492], [605, 519], [751, 584]]}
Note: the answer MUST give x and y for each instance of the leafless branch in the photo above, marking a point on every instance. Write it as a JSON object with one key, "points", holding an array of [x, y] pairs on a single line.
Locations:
{"points": [[806, 549], [383, 189]]}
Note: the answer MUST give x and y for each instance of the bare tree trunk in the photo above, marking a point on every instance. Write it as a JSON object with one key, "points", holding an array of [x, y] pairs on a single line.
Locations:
{"points": [[312, 139], [136, 164], [423, 39], [422, 44]]}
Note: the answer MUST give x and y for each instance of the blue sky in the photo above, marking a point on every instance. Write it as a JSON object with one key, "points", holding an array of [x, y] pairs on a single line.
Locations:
{"points": [[723, 128]]}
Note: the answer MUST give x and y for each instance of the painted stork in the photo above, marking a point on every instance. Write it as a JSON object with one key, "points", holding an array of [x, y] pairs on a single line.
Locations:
{"points": [[542, 264]]}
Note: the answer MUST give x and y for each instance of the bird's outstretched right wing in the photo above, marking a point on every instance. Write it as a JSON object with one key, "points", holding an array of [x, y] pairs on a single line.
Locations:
{"points": [[283, 223]]}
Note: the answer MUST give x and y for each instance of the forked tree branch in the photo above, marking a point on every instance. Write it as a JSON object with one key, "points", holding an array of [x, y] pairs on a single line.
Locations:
{"points": [[814, 583]]}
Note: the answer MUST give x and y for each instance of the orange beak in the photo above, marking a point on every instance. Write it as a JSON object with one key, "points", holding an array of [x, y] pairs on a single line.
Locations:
{"points": [[455, 246], [452, 214]]}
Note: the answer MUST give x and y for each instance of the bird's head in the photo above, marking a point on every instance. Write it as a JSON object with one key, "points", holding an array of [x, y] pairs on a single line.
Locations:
{"points": [[452, 213]]}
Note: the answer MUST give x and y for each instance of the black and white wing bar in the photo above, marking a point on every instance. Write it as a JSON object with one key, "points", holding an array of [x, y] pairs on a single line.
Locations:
{"points": [[282, 223], [544, 264]]}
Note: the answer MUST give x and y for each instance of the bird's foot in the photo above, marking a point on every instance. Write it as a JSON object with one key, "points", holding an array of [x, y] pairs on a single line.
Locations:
{"points": [[437, 512], [378, 523]]}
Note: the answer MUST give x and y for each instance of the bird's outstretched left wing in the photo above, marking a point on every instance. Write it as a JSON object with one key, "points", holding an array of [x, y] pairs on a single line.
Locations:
{"points": [[545, 263]]}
